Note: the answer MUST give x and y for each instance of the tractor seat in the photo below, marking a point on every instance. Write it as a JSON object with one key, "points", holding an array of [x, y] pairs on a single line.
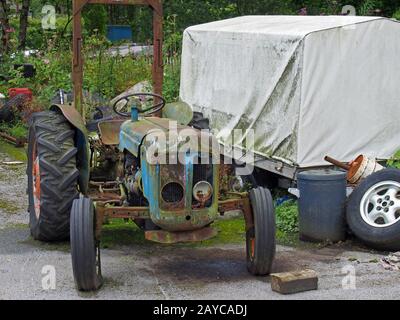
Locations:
{"points": [[109, 131]]}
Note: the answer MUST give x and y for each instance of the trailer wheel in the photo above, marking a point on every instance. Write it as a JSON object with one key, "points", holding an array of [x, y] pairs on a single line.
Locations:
{"points": [[52, 176], [373, 210], [85, 250], [260, 239]]}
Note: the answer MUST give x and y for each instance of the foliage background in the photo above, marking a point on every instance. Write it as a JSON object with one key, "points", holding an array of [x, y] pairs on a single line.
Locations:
{"points": [[110, 76]]}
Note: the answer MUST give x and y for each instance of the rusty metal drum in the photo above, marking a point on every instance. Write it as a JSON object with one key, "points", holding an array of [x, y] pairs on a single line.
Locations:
{"points": [[361, 168]]}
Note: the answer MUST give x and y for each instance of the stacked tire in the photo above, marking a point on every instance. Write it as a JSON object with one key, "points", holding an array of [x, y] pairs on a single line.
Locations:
{"points": [[373, 210]]}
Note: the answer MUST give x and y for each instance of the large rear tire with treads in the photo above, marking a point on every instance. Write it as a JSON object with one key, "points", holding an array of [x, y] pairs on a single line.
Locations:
{"points": [[52, 175]]}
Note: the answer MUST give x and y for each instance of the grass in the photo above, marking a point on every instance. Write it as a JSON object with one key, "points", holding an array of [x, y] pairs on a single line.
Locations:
{"points": [[17, 226], [17, 129], [18, 154], [287, 217], [8, 206], [229, 232], [51, 246], [287, 239], [118, 232]]}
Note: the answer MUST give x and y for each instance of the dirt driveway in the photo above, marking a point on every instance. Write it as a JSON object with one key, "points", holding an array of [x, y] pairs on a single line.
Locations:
{"points": [[161, 272]]}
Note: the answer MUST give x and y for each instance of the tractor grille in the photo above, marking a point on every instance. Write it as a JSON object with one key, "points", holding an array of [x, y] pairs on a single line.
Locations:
{"points": [[172, 180], [203, 172], [172, 193]]}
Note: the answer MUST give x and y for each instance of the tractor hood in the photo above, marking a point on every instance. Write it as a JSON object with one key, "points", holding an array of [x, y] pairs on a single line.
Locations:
{"points": [[165, 132]]}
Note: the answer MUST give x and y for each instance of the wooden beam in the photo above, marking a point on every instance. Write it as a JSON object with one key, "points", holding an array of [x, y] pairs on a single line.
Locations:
{"points": [[154, 4], [77, 65], [121, 2], [77, 61]]}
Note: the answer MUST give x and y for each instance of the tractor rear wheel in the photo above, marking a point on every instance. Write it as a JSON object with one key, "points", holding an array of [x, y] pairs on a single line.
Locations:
{"points": [[85, 250], [260, 239], [52, 175]]}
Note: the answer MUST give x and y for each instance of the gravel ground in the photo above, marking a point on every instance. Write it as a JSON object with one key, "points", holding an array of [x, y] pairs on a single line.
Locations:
{"points": [[163, 272]]}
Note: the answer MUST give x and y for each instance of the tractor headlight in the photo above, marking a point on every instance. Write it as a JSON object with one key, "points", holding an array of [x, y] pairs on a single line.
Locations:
{"points": [[202, 191]]}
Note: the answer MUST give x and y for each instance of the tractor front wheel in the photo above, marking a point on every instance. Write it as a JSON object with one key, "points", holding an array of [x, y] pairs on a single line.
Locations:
{"points": [[85, 250], [260, 239]]}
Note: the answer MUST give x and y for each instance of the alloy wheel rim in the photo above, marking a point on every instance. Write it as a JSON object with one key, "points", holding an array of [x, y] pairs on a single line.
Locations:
{"points": [[380, 205]]}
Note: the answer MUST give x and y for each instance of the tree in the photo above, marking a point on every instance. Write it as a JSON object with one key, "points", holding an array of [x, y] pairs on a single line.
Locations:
{"points": [[5, 25], [95, 17], [23, 24]]}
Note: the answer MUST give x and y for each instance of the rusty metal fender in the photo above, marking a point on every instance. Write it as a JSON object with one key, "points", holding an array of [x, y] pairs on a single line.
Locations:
{"points": [[81, 142]]}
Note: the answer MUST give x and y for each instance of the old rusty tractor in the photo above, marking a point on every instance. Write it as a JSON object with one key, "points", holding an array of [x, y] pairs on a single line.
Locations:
{"points": [[79, 178]]}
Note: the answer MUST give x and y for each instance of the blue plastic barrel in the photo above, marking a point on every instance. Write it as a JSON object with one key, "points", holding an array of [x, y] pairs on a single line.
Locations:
{"points": [[118, 33], [322, 205]]}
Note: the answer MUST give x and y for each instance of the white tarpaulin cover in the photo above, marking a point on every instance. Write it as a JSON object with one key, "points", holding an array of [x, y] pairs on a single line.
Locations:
{"points": [[309, 86]]}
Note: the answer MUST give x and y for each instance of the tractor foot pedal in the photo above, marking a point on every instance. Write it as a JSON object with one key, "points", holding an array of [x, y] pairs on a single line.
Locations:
{"points": [[167, 237]]}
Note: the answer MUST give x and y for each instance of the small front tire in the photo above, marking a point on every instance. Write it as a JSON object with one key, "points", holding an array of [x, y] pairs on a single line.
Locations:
{"points": [[260, 239], [85, 250]]}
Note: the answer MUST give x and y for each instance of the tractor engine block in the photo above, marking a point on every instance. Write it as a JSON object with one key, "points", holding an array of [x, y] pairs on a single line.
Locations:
{"points": [[133, 181]]}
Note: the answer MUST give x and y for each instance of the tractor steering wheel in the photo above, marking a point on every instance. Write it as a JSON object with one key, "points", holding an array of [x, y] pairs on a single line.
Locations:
{"points": [[142, 98]]}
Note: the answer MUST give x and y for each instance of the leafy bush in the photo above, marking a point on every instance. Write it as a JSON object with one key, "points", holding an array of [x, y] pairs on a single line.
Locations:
{"points": [[368, 6], [17, 129], [40, 39], [95, 17], [396, 15], [287, 217], [394, 162], [172, 75], [105, 76], [52, 73]]}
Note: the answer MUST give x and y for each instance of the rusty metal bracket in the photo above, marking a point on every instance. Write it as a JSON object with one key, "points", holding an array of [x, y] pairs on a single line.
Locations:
{"points": [[19, 142], [242, 204], [167, 237], [104, 212], [127, 212]]}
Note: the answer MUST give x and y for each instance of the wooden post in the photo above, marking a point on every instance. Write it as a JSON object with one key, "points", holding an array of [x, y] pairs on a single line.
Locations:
{"points": [[158, 67], [77, 63]]}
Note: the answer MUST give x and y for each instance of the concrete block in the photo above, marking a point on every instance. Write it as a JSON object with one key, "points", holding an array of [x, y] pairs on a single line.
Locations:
{"points": [[294, 282]]}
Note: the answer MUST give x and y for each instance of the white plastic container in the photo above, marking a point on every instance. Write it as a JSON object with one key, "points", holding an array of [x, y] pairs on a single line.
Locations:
{"points": [[2, 99]]}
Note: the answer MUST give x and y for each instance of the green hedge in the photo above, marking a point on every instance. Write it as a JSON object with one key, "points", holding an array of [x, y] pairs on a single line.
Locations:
{"points": [[38, 38], [396, 15]]}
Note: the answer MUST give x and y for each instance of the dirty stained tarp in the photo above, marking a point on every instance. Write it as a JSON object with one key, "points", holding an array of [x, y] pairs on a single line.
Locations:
{"points": [[307, 86]]}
